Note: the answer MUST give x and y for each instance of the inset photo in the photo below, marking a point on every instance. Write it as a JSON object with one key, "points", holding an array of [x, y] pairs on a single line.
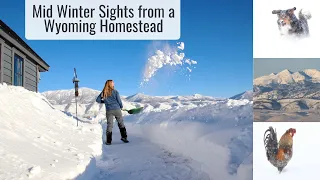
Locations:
{"points": [[285, 151], [286, 29], [286, 90]]}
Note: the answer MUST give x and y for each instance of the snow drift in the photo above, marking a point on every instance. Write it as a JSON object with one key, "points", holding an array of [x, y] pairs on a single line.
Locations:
{"points": [[39, 141], [216, 133], [196, 137]]}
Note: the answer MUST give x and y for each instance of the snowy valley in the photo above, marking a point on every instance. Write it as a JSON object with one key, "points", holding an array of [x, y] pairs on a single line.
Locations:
{"points": [[175, 137], [287, 94]]}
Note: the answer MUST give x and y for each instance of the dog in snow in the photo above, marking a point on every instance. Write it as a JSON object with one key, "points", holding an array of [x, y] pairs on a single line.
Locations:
{"points": [[288, 23]]}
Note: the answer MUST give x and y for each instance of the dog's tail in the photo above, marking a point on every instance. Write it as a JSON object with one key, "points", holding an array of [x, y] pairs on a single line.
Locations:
{"points": [[304, 14]]}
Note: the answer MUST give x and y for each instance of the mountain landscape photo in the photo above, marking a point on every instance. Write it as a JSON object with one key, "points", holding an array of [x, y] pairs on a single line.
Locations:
{"points": [[287, 96]]}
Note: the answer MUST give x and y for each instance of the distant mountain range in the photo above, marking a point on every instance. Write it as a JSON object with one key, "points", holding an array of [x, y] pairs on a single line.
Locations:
{"points": [[288, 91], [87, 107], [245, 95], [287, 77]]}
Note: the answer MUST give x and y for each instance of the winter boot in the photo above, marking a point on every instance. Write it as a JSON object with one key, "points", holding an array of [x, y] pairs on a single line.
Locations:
{"points": [[123, 133], [109, 138]]}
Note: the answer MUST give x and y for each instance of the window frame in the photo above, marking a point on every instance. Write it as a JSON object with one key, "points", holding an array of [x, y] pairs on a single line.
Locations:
{"points": [[23, 57], [18, 70]]}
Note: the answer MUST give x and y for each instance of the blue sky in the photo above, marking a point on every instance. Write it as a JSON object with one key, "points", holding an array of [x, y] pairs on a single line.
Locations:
{"points": [[217, 34], [266, 66]]}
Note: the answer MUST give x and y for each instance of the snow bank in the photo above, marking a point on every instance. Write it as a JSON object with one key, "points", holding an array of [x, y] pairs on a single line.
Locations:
{"points": [[41, 142], [218, 136], [216, 133]]}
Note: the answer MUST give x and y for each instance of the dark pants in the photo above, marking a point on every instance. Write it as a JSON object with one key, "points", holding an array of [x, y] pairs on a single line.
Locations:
{"points": [[118, 115]]}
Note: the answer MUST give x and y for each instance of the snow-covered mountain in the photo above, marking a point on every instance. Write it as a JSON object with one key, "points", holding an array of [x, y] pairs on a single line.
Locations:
{"points": [[287, 77], [67, 96], [289, 91], [87, 107], [245, 95]]}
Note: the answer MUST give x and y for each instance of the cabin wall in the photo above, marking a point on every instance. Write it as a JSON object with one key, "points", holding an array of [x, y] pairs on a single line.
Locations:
{"points": [[7, 67]]}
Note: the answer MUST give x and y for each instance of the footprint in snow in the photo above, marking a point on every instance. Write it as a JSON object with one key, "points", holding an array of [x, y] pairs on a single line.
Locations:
{"points": [[33, 171], [80, 156]]}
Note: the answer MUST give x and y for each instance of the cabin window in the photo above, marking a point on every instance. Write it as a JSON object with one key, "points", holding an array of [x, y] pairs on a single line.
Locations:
{"points": [[18, 70]]}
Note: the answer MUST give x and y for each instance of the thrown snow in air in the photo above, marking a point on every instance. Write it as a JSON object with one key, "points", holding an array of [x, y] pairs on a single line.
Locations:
{"points": [[181, 45], [168, 55]]}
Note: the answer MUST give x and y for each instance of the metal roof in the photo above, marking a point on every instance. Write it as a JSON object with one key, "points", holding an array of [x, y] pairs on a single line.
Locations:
{"points": [[13, 35]]}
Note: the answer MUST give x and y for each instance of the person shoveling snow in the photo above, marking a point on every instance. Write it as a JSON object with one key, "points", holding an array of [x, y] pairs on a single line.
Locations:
{"points": [[111, 98]]}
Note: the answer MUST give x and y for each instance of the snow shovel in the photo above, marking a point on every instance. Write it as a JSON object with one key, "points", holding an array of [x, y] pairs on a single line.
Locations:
{"points": [[134, 110]]}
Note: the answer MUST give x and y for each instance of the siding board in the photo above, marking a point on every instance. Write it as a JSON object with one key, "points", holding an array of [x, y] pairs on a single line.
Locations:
{"points": [[30, 66], [30, 82], [30, 73], [30, 87], [7, 59], [7, 79], [7, 72], [7, 66], [30, 76], [7, 50]]}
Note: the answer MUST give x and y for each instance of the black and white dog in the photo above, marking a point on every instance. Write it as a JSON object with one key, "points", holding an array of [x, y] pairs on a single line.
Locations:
{"points": [[288, 23]]}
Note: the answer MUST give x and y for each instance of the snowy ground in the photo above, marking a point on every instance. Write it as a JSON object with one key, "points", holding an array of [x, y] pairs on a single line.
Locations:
{"points": [[216, 133], [40, 142], [145, 160], [267, 41], [304, 163], [183, 137]]}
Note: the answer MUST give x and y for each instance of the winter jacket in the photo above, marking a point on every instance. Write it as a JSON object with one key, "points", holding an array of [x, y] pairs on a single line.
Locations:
{"points": [[112, 102]]}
